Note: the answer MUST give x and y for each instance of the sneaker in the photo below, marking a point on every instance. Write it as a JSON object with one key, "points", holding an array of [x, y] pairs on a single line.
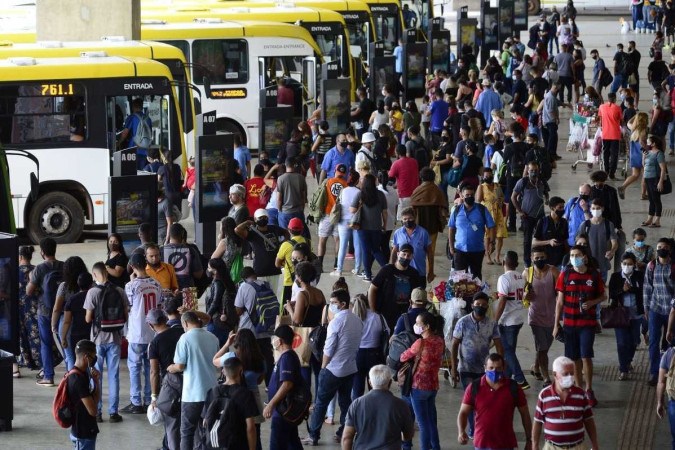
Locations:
{"points": [[45, 382], [367, 279], [132, 409], [355, 272], [115, 418], [623, 376], [547, 383], [309, 440], [591, 398], [99, 418], [335, 273], [524, 385]]}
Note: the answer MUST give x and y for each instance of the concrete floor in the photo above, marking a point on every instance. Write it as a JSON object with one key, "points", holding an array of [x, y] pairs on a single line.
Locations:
{"points": [[625, 411]]}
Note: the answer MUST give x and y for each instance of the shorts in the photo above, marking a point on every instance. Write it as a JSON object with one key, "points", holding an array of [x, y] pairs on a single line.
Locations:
{"points": [[326, 228], [543, 337], [579, 342], [403, 203]]}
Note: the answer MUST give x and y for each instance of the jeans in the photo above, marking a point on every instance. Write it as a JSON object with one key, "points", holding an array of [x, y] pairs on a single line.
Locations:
{"points": [[171, 432], [83, 444], [671, 419], [370, 249], [69, 352], [424, 404], [284, 218], [366, 358], [265, 345], [626, 339], [110, 354], [472, 261], [610, 155], [620, 80], [345, 233], [550, 45], [46, 344], [189, 418], [529, 224], [284, 435], [509, 335], [656, 323], [565, 83], [329, 384], [671, 134], [314, 368], [636, 12], [272, 216], [550, 133], [138, 363], [466, 378], [654, 196]]}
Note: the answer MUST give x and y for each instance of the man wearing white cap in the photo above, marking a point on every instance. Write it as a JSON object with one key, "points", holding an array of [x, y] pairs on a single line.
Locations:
{"points": [[365, 153], [239, 212], [487, 101]]}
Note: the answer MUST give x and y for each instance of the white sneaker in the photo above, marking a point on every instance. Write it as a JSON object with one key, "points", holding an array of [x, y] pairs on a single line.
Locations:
{"points": [[335, 273]]}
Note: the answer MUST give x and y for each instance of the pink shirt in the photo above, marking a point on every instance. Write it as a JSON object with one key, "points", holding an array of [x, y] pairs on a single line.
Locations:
{"points": [[407, 176], [610, 114]]}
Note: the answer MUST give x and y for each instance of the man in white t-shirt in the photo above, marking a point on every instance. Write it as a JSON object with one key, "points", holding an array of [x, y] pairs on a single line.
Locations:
{"points": [[245, 302], [510, 315], [144, 293]]}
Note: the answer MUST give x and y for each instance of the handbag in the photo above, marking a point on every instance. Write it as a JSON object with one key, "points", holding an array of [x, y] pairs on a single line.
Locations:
{"points": [[405, 374], [300, 338], [632, 79], [168, 400], [617, 316], [560, 336], [336, 212], [667, 185], [384, 337], [317, 337], [237, 267], [355, 221], [294, 408]]}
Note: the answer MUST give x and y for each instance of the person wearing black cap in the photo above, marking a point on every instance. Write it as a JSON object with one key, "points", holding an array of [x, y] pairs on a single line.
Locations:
{"points": [[285, 377], [389, 292]]}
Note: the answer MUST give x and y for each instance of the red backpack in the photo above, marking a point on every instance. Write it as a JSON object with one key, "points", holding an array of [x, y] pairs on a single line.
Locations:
{"points": [[63, 408]]}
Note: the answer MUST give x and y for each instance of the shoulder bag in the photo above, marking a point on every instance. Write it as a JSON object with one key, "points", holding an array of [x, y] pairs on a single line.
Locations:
{"points": [[407, 371], [336, 212], [317, 337], [617, 316], [355, 221]]}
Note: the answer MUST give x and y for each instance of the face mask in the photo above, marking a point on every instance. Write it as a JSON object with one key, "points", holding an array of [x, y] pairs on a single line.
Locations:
{"points": [[540, 263], [596, 213], [341, 144], [583, 197], [623, 97], [333, 308], [404, 262], [663, 253], [639, 243], [577, 261], [262, 222], [494, 375], [559, 212], [595, 57], [567, 381], [115, 246], [445, 138], [655, 101], [409, 224], [515, 78], [480, 311], [384, 92], [276, 343], [469, 201], [488, 180], [627, 269], [533, 174], [417, 329]]}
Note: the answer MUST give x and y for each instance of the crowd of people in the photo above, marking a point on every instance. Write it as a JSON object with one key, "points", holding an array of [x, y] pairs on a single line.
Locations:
{"points": [[383, 197]]}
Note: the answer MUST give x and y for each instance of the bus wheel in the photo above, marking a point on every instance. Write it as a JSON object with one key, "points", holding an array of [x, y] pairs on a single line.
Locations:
{"points": [[533, 6], [56, 215], [228, 126]]}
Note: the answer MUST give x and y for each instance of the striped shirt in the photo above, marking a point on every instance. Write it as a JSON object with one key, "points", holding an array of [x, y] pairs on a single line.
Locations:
{"points": [[577, 287], [659, 287], [563, 422]]}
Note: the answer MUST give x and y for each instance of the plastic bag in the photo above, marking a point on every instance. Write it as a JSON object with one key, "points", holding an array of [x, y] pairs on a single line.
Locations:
{"points": [[597, 145], [237, 267], [154, 416]]}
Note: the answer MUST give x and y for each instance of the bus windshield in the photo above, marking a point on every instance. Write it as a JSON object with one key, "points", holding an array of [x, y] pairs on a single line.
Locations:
{"points": [[359, 38], [386, 29]]}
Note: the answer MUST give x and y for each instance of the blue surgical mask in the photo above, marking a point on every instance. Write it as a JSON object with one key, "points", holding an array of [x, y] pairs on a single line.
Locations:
{"points": [[333, 308], [639, 243], [494, 376], [577, 261]]}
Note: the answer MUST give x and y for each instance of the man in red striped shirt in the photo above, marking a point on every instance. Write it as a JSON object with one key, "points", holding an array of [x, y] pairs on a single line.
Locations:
{"points": [[580, 289], [563, 411]]}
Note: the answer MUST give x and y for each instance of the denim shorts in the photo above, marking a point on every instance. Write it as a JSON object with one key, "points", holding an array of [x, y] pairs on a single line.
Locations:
{"points": [[579, 342]]}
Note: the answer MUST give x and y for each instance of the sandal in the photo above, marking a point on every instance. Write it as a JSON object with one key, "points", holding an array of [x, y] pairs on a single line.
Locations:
{"points": [[646, 224], [16, 374], [654, 225], [622, 192]]}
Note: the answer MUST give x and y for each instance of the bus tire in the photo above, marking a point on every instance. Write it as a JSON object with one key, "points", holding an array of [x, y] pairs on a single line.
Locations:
{"points": [[229, 126], [57, 215], [533, 6]]}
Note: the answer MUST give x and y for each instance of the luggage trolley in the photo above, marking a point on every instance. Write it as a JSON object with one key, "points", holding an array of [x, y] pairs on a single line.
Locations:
{"points": [[579, 142]]}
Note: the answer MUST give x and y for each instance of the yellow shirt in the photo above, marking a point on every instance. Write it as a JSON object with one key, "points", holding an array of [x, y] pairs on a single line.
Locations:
{"points": [[164, 274], [284, 253]]}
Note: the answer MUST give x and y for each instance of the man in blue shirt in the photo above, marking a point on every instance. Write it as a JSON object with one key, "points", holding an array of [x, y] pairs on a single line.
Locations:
{"points": [[243, 156], [339, 154], [468, 224], [438, 111], [577, 210], [488, 100], [126, 138], [418, 237], [398, 55]]}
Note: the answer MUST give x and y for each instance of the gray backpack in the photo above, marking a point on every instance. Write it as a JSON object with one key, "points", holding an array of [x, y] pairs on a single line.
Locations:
{"points": [[143, 136]]}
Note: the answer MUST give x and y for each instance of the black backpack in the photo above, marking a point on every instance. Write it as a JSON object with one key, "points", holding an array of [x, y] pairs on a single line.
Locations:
{"points": [[542, 157], [516, 163], [625, 65], [110, 313], [50, 285], [421, 154], [220, 419], [399, 343]]}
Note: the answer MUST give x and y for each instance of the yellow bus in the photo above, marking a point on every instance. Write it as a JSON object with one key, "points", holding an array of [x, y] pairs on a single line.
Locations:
{"points": [[328, 28], [239, 59], [168, 55], [68, 113], [388, 21]]}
